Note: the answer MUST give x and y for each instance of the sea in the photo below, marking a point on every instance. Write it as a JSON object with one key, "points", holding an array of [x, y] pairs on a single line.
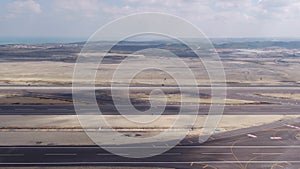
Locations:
{"points": [[38, 40], [47, 40]]}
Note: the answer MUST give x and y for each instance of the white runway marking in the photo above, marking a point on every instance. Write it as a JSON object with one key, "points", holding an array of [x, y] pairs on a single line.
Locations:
{"points": [[295, 127], [275, 138], [61, 154], [217, 153], [267, 153], [251, 135]]}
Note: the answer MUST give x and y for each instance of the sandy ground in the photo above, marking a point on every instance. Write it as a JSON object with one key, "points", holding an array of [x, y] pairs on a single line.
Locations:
{"points": [[292, 96], [35, 72], [238, 71], [118, 121], [30, 100], [38, 130]]}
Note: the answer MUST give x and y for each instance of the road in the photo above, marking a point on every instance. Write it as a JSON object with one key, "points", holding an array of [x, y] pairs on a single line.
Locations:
{"points": [[272, 145]]}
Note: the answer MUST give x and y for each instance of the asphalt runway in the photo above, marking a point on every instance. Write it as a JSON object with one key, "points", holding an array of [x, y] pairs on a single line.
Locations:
{"points": [[274, 145], [169, 110]]}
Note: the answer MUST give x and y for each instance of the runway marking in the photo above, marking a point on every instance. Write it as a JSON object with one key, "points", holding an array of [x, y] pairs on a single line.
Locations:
{"points": [[275, 138], [11, 155], [295, 127], [61, 154], [217, 153], [267, 153], [251, 135]]}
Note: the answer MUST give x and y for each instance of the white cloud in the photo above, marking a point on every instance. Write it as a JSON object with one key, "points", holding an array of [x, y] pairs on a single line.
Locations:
{"points": [[88, 8], [219, 17], [24, 7], [230, 18], [176, 7], [280, 9]]}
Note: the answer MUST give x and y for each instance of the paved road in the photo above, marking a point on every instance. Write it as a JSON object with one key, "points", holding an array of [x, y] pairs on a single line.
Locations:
{"points": [[273, 145], [170, 109]]}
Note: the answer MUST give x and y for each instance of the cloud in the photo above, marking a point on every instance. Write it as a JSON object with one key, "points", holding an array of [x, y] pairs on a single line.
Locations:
{"points": [[230, 18], [88, 8], [280, 9], [222, 18], [175, 7], [24, 7]]}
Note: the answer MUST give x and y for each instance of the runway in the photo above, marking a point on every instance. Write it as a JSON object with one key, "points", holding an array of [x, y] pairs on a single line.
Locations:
{"points": [[257, 147], [169, 110]]}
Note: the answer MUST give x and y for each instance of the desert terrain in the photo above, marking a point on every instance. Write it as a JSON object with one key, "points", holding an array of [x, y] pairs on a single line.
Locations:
{"points": [[37, 104], [52, 65]]}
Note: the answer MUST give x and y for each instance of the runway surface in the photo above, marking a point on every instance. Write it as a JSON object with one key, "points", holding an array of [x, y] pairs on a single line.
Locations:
{"points": [[274, 145], [169, 110]]}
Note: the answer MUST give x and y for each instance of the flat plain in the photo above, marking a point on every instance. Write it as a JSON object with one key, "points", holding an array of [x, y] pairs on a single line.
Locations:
{"points": [[262, 100]]}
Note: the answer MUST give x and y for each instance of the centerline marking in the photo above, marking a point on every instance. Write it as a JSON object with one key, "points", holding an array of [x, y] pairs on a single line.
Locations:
{"points": [[73, 154], [267, 153], [217, 153]]}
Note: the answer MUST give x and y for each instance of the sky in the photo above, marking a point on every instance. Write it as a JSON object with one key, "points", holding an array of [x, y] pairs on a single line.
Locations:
{"points": [[216, 18]]}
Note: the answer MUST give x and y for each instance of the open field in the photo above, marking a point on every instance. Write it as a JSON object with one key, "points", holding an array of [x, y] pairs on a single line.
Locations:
{"points": [[42, 65], [264, 72], [243, 67], [37, 117]]}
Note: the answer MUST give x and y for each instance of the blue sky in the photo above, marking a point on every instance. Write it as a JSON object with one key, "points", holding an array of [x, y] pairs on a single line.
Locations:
{"points": [[216, 18]]}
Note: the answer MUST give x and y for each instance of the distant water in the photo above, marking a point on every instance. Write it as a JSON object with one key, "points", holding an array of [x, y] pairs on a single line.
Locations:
{"points": [[37, 40]]}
